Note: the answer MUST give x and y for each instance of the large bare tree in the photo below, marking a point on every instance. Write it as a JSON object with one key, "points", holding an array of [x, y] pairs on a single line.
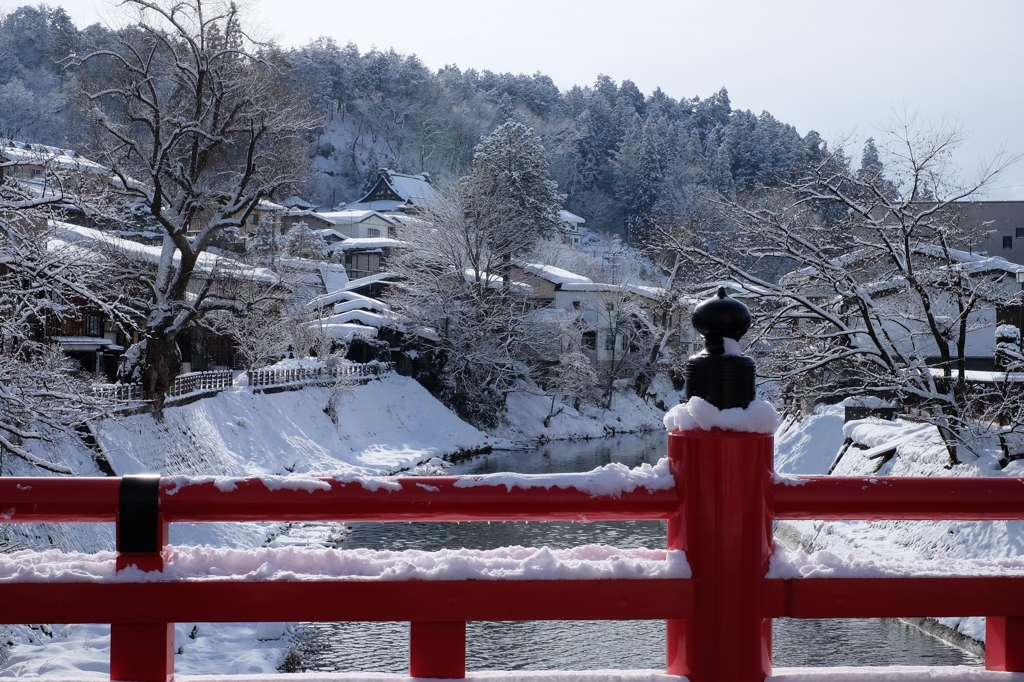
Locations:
{"points": [[883, 293], [197, 127]]}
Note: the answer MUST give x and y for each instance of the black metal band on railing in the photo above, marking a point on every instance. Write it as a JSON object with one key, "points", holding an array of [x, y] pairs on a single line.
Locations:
{"points": [[138, 528]]}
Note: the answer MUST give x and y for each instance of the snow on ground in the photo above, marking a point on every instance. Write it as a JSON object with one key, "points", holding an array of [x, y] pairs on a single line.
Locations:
{"points": [[385, 425], [610, 480], [811, 446], [527, 411]]}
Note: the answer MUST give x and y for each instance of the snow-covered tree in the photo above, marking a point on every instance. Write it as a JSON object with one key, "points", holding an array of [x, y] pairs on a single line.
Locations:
{"points": [[44, 280], [507, 198], [881, 300], [455, 272], [196, 125], [264, 243], [302, 242]]}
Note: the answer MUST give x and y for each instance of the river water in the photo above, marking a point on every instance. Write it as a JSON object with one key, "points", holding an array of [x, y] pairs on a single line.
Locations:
{"points": [[574, 645]]}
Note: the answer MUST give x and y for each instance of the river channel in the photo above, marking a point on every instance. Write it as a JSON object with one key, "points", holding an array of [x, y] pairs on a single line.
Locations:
{"points": [[564, 645]]}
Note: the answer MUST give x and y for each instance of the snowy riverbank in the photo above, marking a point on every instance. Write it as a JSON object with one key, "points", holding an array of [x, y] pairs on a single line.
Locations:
{"points": [[810, 447]]}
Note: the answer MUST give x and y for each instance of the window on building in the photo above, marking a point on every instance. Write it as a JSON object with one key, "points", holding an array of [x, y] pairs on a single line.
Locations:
{"points": [[93, 325], [609, 342], [610, 306], [589, 341], [575, 305], [1020, 233], [372, 232], [254, 219], [1007, 242]]}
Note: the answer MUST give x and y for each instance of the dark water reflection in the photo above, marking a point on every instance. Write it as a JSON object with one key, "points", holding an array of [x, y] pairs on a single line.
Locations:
{"points": [[574, 645]]}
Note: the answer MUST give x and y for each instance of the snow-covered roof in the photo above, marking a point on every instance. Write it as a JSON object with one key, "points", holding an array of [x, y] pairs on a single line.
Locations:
{"points": [[361, 303], [567, 217], [351, 217], [268, 205], [334, 297], [328, 233], [52, 157], [207, 264], [370, 279], [360, 316], [378, 205], [653, 293], [363, 243], [555, 275], [334, 276], [976, 263], [495, 281], [413, 188], [74, 343], [297, 202], [346, 332]]}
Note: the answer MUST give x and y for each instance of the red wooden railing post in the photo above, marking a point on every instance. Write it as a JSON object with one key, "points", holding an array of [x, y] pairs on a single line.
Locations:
{"points": [[437, 649], [724, 480], [1004, 644], [141, 652]]}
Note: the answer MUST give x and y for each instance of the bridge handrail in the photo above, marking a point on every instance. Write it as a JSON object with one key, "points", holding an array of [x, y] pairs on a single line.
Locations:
{"points": [[138, 647]]}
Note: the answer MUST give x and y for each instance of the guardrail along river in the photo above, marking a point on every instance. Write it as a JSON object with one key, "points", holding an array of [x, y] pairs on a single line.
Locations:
{"points": [[563, 645]]}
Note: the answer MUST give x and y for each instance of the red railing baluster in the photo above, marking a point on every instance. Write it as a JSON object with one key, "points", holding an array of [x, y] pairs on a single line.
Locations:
{"points": [[437, 649], [141, 652], [1004, 644], [723, 479]]}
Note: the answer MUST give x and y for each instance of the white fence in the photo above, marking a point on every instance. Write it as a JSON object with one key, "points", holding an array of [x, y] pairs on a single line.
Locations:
{"points": [[319, 376], [184, 384], [260, 379]]}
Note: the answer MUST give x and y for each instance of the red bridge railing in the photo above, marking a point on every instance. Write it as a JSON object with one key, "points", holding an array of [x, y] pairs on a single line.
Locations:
{"points": [[720, 512]]}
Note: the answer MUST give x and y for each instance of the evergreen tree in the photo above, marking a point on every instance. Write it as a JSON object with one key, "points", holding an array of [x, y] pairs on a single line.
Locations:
{"points": [[302, 242]]}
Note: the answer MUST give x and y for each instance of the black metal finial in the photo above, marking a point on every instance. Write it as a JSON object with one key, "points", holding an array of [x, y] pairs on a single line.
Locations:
{"points": [[725, 381], [718, 317]]}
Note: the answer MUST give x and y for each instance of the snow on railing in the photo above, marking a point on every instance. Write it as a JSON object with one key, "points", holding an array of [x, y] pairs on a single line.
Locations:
{"points": [[718, 579], [315, 376]]}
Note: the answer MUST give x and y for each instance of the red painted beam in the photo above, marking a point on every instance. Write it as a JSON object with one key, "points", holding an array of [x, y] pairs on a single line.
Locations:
{"points": [[58, 500], [420, 499], [331, 601], [875, 498], [893, 597]]}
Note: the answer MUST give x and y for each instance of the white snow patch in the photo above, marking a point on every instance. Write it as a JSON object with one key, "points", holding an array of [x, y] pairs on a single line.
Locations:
{"points": [[732, 346], [824, 564], [371, 483], [588, 562], [226, 484], [611, 480], [699, 414]]}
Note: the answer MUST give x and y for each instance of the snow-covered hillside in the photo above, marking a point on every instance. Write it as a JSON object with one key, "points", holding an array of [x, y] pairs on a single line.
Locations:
{"points": [[384, 426]]}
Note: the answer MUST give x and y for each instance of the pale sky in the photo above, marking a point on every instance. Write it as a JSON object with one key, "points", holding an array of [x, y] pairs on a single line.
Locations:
{"points": [[836, 67]]}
